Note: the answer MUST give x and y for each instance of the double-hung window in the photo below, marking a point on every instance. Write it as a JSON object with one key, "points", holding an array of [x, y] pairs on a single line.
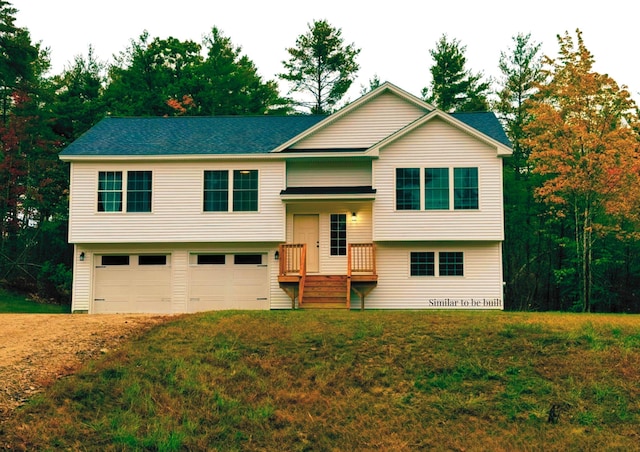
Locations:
{"points": [[436, 188], [216, 191], [110, 191], [139, 191], [245, 190], [237, 189], [465, 188], [338, 234], [408, 188]]}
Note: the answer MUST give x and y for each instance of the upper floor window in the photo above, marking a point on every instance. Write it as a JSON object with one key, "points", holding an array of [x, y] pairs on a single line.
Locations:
{"points": [[245, 190], [434, 191], [338, 234], [237, 188], [465, 188], [111, 197], [139, 191], [216, 191], [408, 188], [436, 188], [110, 191]]}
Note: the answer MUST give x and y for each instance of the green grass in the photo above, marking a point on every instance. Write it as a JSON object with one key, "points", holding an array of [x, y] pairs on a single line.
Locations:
{"points": [[11, 303], [337, 380]]}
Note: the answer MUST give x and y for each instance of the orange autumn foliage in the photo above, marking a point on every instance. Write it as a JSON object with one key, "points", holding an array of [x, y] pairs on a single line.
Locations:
{"points": [[181, 107], [584, 142]]}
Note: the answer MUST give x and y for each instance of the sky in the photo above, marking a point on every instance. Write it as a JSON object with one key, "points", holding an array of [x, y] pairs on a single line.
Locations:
{"points": [[395, 36]]}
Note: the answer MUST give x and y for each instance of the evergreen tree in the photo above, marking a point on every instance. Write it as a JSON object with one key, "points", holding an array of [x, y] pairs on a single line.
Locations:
{"points": [[453, 87], [78, 102], [18, 57], [321, 66], [228, 82], [529, 253], [150, 73]]}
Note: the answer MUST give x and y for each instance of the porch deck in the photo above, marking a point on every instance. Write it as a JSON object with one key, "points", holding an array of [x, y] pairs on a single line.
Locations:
{"points": [[321, 291]]}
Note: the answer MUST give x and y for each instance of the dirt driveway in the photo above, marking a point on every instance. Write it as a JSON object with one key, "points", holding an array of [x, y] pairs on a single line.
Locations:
{"points": [[37, 349]]}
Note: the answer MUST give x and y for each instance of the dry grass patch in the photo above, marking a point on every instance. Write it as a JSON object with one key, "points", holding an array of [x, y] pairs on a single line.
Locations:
{"points": [[351, 381]]}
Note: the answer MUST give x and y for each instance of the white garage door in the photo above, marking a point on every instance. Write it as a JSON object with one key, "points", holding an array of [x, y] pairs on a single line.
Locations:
{"points": [[132, 284], [228, 281]]}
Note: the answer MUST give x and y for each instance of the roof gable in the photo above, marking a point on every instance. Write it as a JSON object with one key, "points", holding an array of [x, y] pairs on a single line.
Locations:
{"points": [[377, 114], [484, 126], [219, 135]]}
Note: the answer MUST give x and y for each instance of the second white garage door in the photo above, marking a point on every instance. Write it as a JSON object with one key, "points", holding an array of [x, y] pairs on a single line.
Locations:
{"points": [[228, 281]]}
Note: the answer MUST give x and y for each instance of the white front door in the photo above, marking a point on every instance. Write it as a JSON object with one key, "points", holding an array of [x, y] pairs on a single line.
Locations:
{"points": [[306, 229]]}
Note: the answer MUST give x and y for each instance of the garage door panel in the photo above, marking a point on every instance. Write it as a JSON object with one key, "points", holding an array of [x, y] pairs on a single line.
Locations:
{"points": [[228, 285], [126, 287]]}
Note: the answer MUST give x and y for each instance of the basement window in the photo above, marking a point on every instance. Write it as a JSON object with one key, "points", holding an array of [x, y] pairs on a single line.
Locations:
{"points": [[423, 263]]}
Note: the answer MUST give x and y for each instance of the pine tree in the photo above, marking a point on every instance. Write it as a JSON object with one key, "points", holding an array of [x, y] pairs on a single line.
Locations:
{"points": [[320, 65], [453, 87]]}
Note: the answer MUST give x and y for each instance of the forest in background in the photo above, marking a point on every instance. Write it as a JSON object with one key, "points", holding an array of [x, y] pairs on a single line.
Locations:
{"points": [[571, 189]]}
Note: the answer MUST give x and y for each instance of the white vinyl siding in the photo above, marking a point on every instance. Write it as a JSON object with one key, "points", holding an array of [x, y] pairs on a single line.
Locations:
{"points": [[328, 173], [81, 295], [178, 216], [366, 125], [438, 144], [480, 287]]}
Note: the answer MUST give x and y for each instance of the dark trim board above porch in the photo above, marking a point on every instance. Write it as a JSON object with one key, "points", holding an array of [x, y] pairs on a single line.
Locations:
{"points": [[362, 190]]}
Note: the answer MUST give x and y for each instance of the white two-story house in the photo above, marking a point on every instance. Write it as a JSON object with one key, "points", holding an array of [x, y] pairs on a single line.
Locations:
{"points": [[387, 204]]}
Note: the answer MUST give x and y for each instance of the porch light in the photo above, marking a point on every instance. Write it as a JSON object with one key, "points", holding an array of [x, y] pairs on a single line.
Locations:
{"points": [[82, 257], [276, 256], [354, 218]]}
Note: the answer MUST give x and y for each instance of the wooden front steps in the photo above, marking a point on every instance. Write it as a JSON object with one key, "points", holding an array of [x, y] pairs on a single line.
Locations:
{"points": [[324, 292]]}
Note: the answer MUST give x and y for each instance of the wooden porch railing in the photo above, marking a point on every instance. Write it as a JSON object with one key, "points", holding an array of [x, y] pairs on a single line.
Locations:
{"points": [[361, 258], [293, 258], [293, 261]]}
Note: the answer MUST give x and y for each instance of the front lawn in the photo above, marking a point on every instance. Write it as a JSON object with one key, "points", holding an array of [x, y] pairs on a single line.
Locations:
{"points": [[337, 380]]}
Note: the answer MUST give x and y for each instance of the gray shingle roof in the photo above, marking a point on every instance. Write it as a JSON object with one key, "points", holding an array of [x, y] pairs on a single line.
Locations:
{"points": [[218, 135], [189, 135], [485, 122]]}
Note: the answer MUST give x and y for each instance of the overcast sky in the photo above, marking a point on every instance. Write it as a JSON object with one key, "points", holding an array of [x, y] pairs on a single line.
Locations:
{"points": [[395, 36]]}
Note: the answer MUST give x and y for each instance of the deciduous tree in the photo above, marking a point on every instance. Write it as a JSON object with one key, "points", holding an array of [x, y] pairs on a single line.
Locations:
{"points": [[584, 145], [321, 66]]}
